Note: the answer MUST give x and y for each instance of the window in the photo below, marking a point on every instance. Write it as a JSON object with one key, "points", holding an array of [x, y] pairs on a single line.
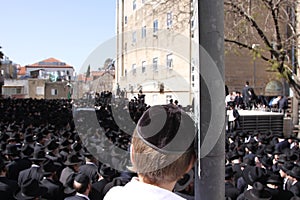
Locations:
{"points": [[125, 19], [134, 37], [143, 1], [155, 27], [155, 67], [143, 66], [143, 31], [168, 98], [53, 92], [154, 99], [39, 91], [169, 20], [134, 4], [170, 61], [133, 68]]}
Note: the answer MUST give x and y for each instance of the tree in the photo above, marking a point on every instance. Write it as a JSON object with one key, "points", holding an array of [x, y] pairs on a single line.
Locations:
{"points": [[272, 25]]}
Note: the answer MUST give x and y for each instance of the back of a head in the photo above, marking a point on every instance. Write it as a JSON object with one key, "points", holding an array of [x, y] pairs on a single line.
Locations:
{"points": [[163, 144]]}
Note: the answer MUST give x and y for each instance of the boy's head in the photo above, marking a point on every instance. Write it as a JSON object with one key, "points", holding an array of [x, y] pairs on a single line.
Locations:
{"points": [[163, 144]]}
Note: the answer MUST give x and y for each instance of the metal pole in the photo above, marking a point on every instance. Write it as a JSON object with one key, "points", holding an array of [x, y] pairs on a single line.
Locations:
{"points": [[210, 185]]}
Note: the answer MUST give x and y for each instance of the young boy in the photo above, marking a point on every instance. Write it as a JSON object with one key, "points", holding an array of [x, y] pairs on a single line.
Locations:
{"points": [[162, 151]]}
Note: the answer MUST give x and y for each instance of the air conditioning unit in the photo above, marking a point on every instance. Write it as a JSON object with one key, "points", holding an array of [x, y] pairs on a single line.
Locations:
{"points": [[155, 34]]}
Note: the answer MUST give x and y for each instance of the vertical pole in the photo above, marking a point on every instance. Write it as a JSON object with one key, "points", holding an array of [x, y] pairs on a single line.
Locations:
{"points": [[210, 185]]}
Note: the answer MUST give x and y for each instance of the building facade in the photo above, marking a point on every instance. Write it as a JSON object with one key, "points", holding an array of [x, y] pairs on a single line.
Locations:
{"points": [[154, 50]]}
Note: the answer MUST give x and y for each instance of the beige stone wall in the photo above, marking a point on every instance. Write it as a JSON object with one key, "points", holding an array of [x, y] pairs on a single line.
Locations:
{"points": [[36, 88], [173, 40], [56, 90]]}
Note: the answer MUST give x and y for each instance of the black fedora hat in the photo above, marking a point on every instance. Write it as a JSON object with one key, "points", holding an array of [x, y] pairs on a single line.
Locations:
{"points": [[257, 192], [38, 155], [295, 172], [72, 159], [107, 172], [275, 179], [30, 189], [52, 145], [229, 173], [287, 166], [252, 174], [49, 167], [27, 149]]}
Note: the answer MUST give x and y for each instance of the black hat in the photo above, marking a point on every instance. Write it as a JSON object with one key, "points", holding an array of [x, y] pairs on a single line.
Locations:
{"points": [[167, 129], [72, 159], [11, 150], [107, 172], [275, 179], [266, 161], [82, 179], [28, 138], [229, 173], [282, 158], [27, 150], [253, 174], [77, 146], [257, 192], [91, 151], [38, 155], [38, 136], [30, 189], [287, 166], [65, 142], [269, 149], [49, 166], [295, 172], [52, 145]]}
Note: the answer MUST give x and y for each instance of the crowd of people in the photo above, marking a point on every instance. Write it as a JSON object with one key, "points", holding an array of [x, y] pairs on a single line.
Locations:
{"points": [[65, 149], [72, 149], [248, 100]]}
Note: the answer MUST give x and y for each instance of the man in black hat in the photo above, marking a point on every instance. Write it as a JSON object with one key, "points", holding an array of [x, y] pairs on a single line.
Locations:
{"points": [[162, 152], [7, 186], [82, 186], [50, 181], [294, 176], [40, 140], [35, 171], [30, 189], [107, 174], [90, 168], [230, 190], [287, 166], [72, 166], [16, 164]]}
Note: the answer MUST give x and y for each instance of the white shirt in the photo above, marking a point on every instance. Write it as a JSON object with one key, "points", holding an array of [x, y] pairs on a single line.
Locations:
{"points": [[136, 190]]}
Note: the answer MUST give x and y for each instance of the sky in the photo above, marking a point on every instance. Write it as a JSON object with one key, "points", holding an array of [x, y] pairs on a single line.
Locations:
{"points": [[68, 30]]}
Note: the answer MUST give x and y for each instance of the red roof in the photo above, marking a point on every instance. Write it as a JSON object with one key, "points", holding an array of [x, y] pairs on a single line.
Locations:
{"points": [[50, 63], [22, 71]]}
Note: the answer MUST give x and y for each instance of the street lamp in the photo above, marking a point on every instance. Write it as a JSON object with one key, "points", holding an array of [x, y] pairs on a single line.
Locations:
{"points": [[254, 47]]}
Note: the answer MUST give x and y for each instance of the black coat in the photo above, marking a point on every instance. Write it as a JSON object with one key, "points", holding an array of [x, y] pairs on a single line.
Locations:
{"points": [[55, 189], [295, 189], [33, 173], [231, 191], [15, 166], [91, 171], [7, 188]]}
